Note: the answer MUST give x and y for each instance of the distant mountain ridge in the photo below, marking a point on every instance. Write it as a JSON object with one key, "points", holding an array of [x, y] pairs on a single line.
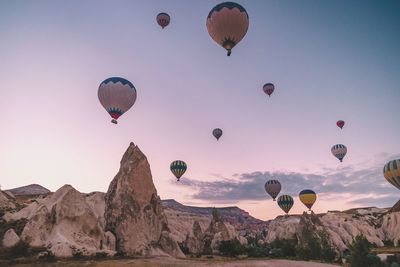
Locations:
{"points": [[239, 218], [32, 189]]}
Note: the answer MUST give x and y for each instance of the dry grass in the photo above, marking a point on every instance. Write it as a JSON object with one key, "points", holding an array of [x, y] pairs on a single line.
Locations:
{"points": [[386, 250], [171, 262]]}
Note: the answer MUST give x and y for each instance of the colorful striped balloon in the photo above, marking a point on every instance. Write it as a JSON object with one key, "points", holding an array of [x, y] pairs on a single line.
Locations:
{"points": [[308, 198], [117, 95], [273, 187], [178, 168], [227, 24], [391, 171], [286, 203], [339, 151]]}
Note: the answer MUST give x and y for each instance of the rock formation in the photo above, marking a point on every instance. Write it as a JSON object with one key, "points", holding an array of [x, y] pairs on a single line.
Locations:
{"points": [[66, 223], [10, 238], [377, 225], [5, 201], [134, 213]]}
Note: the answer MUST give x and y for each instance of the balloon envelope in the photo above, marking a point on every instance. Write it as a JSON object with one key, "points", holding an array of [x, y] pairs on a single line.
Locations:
{"points": [[391, 172], [273, 187], [163, 19], [217, 132], [285, 202], [340, 124], [268, 88], [339, 151], [308, 198], [178, 168], [227, 24], [117, 95]]}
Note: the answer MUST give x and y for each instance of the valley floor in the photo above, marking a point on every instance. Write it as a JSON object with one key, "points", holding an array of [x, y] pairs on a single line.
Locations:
{"points": [[171, 262]]}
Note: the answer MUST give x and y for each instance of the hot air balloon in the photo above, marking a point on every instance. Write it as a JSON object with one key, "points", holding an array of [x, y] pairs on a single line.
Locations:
{"points": [[217, 132], [117, 95], [308, 198], [340, 124], [391, 171], [285, 202], [178, 168], [268, 88], [227, 24], [339, 151], [163, 19], [273, 187]]}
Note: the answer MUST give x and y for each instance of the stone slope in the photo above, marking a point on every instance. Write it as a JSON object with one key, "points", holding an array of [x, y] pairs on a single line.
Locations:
{"points": [[134, 212]]}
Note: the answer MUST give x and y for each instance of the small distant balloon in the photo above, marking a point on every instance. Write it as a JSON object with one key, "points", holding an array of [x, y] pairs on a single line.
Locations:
{"points": [[227, 24], [273, 187], [308, 198], [217, 132], [268, 88], [391, 172], [163, 19], [339, 151], [285, 202], [340, 124], [117, 95], [178, 168]]}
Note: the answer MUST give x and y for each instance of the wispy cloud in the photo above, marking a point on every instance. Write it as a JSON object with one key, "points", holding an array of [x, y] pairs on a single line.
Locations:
{"points": [[366, 182]]}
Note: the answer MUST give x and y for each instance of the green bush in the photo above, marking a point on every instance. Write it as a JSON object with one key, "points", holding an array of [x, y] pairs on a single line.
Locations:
{"points": [[257, 251], [283, 248], [359, 250], [231, 248], [184, 248], [21, 249], [101, 255]]}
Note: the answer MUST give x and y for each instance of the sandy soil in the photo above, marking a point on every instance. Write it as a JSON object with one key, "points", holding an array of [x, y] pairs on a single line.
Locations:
{"points": [[170, 262]]}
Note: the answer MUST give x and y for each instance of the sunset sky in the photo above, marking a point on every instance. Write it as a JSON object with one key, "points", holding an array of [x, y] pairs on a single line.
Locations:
{"points": [[329, 60]]}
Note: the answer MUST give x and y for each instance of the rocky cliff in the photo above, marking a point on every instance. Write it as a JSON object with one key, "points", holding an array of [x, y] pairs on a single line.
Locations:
{"points": [[377, 225], [66, 223], [134, 212]]}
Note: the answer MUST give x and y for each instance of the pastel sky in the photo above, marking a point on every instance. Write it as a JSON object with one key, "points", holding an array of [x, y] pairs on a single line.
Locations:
{"points": [[329, 60]]}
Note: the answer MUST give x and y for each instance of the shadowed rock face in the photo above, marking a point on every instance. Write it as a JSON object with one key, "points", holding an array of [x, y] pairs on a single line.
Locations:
{"points": [[134, 212]]}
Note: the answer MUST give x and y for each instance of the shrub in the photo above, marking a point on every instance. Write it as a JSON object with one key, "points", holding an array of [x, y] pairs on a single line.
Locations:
{"points": [[20, 249], [184, 248], [257, 251], [77, 254], [359, 250], [283, 248], [231, 248], [101, 255]]}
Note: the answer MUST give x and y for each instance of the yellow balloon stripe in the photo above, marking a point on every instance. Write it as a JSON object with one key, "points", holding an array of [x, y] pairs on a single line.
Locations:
{"points": [[308, 198]]}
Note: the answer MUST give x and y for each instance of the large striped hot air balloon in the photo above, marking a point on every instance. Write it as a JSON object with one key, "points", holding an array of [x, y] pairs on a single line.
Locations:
{"points": [[339, 151], [391, 171], [286, 203], [163, 19], [308, 198], [117, 95], [217, 132], [268, 88], [178, 168], [273, 187], [227, 24]]}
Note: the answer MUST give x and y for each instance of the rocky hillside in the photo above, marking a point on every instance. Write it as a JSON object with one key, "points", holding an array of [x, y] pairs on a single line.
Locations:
{"points": [[240, 219], [29, 190], [377, 225], [131, 219]]}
